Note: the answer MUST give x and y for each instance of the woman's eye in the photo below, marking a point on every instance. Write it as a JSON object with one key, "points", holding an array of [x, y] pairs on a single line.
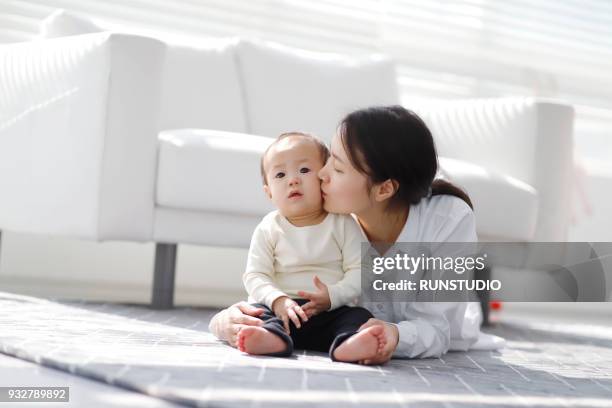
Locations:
{"points": [[304, 170], [280, 174], [337, 171]]}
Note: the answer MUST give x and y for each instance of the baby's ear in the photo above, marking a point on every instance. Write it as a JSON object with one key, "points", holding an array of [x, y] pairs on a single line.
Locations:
{"points": [[267, 191]]}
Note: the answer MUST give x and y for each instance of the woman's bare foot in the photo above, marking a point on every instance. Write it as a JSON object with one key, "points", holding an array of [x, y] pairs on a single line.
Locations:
{"points": [[364, 344], [257, 340]]}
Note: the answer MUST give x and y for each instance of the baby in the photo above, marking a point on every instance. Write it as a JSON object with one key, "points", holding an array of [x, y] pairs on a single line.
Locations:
{"points": [[299, 245]]}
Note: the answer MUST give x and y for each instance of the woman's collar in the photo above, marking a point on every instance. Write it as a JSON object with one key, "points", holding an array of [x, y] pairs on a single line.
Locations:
{"points": [[409, 227]]}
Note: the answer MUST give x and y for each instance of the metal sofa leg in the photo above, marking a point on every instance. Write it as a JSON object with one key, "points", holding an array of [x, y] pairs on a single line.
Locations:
{"points": [[163, 276], [484, 295]]}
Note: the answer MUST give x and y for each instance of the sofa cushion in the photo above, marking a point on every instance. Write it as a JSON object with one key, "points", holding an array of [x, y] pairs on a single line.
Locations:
{"points": [[505, 207], [289, 89], [201, 88], [62, 23], [212, 171]]}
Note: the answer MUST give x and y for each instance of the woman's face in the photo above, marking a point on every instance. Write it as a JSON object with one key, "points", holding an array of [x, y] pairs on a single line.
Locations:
{"points": [[345, 189]]}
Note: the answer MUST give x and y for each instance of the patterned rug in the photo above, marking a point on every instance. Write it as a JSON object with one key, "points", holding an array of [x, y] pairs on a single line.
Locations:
{"points": [[170, 355]]}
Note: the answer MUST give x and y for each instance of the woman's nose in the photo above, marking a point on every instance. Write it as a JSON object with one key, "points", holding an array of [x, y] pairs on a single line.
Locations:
{"points": [[322, 174]]}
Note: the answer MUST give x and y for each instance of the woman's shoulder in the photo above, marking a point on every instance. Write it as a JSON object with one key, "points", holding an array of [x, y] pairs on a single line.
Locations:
{"points": [[440, 218]]}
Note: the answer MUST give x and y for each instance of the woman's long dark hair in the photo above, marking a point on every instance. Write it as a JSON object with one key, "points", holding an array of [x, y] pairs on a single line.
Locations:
{"points": [[392, 142]]}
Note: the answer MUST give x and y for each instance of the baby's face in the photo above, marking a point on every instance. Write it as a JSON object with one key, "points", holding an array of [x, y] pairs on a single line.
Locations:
{"points": [[291, 167]]}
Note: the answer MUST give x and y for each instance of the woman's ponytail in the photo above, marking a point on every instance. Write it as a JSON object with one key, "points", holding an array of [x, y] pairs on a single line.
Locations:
{"points": [[441, 187]]}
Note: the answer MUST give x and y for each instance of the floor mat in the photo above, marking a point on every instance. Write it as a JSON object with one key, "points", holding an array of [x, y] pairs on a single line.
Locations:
{"points": [[168, 358]]}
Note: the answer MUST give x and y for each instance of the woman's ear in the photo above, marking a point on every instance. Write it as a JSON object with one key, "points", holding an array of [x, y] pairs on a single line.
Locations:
{"points": [[385, 190], [267, 191]]}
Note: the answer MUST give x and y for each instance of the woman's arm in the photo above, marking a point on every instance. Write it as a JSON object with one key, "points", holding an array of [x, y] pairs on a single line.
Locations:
{"points": [[428, 328], [427, 333]]}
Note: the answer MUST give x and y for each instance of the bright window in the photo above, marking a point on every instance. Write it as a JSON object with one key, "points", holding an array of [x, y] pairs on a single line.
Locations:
{"points": [[445, 49]]}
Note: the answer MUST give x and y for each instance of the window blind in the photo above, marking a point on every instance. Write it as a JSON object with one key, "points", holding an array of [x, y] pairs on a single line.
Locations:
{"points": [[445, 49]]}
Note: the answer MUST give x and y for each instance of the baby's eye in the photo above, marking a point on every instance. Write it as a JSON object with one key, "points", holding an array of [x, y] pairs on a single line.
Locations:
{"points": [[304, 170], [280, 174]]}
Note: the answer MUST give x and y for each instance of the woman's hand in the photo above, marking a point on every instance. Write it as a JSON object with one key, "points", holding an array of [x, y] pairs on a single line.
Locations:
{"points": [[392, 336], [319, 301], [227, 323], [286, 308]]}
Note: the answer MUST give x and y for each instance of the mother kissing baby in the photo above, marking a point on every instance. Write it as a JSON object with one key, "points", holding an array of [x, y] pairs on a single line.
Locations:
{"points": [[382, 170]]}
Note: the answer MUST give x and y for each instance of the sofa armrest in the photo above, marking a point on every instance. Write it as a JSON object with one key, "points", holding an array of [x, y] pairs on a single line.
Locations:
{"points": [[529, 139], [78, 133]]}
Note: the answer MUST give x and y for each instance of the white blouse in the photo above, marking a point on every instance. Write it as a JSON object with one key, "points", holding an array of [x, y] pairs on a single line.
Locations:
{"points": [[430, 329]]}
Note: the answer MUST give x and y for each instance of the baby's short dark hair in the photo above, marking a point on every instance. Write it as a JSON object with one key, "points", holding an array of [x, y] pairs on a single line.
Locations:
{"points": [[323, 150]]}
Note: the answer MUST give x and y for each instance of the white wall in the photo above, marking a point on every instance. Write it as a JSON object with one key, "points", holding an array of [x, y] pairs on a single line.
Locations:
{"points": [[116, 271]]}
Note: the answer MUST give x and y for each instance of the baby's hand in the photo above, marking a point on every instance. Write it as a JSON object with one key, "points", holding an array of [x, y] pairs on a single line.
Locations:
{"points": [[286, 308], [319, 300]]}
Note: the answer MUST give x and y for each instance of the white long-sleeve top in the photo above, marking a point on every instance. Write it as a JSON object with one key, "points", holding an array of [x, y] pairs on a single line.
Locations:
{"points": [[284, 259], [430, 329]]}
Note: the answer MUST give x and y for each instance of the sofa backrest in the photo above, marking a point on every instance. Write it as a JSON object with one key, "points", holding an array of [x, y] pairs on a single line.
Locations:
{"points": [[266, 89], [253, 86], [290, 89], [201, 87]]}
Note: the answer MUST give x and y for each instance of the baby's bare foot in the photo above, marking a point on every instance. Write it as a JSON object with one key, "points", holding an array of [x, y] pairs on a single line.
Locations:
{"points": [[257, 340], [362, 345]]}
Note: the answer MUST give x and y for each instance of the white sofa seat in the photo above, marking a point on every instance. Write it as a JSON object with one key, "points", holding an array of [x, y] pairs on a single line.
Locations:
{"points": [[208, 171]]}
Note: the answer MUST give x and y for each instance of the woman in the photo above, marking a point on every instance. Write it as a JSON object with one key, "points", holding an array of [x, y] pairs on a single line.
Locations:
{"points": [[382, 168]]}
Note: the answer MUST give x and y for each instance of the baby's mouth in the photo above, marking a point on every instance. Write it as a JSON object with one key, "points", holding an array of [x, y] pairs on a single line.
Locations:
{"points": [[295, 194]]}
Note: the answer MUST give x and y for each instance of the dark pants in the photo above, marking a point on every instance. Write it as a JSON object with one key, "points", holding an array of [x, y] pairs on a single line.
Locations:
{"points": [[322, 332]]}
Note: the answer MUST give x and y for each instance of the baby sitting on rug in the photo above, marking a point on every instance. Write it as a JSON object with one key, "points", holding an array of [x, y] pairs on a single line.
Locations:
{"points": [[295, 246]]}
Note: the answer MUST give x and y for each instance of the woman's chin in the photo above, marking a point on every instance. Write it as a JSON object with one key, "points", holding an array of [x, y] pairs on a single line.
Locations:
{"points": [[331, 208], [327, 207]]}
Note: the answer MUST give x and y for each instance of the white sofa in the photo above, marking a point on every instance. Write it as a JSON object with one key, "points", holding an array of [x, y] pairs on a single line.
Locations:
{"points": [[110, 136]]}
